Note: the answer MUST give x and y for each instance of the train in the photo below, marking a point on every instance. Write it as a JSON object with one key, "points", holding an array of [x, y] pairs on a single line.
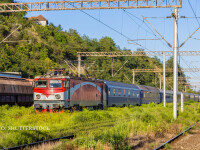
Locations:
{"points": [[56, 91], [16, 91]]}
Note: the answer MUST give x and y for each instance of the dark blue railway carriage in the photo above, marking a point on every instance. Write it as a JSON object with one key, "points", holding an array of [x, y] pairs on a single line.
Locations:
{"points": [[149, 94], [122, 94], [194, 97], [169, 96]]}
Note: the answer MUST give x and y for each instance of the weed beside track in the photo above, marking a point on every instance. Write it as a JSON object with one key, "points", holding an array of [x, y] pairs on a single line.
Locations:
{"points": [[108, 128]]}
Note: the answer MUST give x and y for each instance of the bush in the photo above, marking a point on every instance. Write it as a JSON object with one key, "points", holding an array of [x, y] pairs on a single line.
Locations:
{"points": [[94, 129]]}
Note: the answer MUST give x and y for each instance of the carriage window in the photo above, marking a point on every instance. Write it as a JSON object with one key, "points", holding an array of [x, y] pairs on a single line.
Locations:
{"points": [[137, 94], [41, 83], [133, 93], [55, 83], [129, 92], [109, 91], [124, 91], [119, 91], [114, 91]]}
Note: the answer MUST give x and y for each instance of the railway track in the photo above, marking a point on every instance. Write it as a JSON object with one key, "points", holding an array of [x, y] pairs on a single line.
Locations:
{"points": [[86, 128], [175, 138], [40, 142]]}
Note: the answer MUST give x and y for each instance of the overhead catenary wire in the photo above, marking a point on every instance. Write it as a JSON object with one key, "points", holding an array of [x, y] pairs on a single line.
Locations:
{"points": [[193, 12], [168, 17], [190, 67], [118, 32], [152, 32]]}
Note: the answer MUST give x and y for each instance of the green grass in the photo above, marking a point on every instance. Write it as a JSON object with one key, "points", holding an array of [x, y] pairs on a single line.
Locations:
{"points": [[110, 127]]}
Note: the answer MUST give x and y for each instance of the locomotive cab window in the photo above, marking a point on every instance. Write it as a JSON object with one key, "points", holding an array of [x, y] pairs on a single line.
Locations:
{"points": [[55, 83], [41, 83], [66, 84]]}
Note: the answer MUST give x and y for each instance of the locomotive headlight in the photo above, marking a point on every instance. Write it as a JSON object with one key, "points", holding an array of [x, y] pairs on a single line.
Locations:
{"points": [[38, 96], [58, 96]]}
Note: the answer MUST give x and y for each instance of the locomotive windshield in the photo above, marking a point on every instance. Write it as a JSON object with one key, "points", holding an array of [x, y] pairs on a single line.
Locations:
{"points": [[55, 83], [41, 83]]}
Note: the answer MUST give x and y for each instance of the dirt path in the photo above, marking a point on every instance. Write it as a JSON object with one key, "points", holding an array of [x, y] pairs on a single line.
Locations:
{"points": [[190, 141]]}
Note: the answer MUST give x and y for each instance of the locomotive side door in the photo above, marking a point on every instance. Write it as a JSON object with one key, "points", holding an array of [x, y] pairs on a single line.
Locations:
{"points": [[66, 84]]}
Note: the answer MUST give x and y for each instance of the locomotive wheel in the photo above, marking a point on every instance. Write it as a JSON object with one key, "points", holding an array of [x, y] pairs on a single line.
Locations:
{"points": [[95, 107], [76, 108], [100, 106]]}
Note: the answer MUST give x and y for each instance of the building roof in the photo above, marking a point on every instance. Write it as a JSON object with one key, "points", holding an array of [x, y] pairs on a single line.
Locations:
{"points": [[38, 18]]}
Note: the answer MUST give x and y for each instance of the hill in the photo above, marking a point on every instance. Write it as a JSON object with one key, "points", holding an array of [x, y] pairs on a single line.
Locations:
{"points": [[33, 50]]}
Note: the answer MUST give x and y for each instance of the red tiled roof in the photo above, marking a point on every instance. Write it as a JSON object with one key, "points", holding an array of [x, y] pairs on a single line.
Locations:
{"points": [[38, 18]]}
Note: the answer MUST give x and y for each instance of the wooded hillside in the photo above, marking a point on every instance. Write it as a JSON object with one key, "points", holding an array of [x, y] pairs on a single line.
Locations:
{"points": [[35, 49]]}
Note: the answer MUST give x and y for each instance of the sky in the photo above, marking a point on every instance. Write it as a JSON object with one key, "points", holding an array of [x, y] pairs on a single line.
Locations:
{"points": [[126, 23]]}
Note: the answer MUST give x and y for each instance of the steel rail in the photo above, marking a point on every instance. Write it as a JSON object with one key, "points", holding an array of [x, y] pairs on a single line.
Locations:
{"points": [[40, 142], [174, 138]]}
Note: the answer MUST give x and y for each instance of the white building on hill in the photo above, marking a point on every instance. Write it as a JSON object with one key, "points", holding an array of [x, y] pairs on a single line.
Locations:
{"points": [[39, 20]]}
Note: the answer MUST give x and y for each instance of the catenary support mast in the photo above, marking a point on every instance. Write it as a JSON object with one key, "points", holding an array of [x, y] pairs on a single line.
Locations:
{"points": [[164, 85], [175, 68]]}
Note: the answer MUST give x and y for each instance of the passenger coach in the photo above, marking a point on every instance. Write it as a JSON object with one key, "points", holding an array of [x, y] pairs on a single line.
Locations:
{"points": [[56, 91], [122, 94]]}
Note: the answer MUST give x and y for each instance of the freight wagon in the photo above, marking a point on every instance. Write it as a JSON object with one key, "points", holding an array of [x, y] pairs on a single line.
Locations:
{"points": [[16, 91]]}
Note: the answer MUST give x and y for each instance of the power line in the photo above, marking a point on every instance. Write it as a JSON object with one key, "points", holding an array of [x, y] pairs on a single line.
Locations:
{"points": [[189, 67], [153, 33], [168, 17], [118, 32], [193, 12]]}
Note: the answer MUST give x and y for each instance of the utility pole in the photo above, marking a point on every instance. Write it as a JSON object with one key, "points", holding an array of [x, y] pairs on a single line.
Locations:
{"points": [[133, 77], [79, 65], [160, 82], [112, 65], [175, 69], [182, 104], [164, 85]]}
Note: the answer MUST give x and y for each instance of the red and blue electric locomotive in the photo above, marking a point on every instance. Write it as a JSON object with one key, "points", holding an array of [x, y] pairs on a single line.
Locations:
{"points": [[56, 91]]}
